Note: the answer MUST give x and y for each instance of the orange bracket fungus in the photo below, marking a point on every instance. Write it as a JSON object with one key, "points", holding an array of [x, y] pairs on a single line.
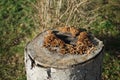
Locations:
{"points": [[68, 40]]}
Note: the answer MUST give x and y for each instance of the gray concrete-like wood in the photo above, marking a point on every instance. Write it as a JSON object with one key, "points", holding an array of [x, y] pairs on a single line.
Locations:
{"points": [[42, 64]]}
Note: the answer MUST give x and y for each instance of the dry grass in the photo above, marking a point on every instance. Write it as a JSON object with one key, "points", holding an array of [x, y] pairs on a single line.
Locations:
{"points": [[77, 13], [52, 13]]}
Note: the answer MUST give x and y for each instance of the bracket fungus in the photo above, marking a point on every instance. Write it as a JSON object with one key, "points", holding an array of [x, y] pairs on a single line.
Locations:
{"points": [[69, 40]]}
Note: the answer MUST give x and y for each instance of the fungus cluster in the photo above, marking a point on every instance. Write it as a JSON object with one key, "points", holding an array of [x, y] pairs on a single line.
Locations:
{"points": [[82, 43]]}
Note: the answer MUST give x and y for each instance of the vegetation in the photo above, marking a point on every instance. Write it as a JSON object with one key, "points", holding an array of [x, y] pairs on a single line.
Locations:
{"points": [[18, 26]]}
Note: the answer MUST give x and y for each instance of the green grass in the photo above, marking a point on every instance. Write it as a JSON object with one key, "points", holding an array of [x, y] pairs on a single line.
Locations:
{"points": [[111, 67], [17, 28], [12, 67], [15, 23]]}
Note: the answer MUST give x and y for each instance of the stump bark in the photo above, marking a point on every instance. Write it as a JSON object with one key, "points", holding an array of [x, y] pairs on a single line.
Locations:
{"points": [[41, 64]]}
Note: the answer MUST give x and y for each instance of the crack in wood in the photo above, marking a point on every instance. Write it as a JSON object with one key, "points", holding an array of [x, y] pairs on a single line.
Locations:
{"points": [[49, 73], [32, 62], [40, 66]]}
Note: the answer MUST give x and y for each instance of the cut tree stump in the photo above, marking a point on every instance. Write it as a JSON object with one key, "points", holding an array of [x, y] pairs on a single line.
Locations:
{"points": [[42, 64]]}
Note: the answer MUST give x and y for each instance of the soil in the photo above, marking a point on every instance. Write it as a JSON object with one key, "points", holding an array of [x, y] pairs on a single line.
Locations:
{"points": [[68, 40]]}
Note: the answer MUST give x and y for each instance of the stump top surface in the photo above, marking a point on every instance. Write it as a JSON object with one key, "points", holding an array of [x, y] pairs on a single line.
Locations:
{"points": [[46, 58]]}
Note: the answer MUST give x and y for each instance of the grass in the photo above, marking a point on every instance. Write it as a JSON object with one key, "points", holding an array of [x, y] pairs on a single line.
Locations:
{"points": [[17, 28], [111, 67]]}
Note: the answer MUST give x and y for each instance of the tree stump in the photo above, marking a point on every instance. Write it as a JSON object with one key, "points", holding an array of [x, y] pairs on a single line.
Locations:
{"points": [[43, 64]]}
